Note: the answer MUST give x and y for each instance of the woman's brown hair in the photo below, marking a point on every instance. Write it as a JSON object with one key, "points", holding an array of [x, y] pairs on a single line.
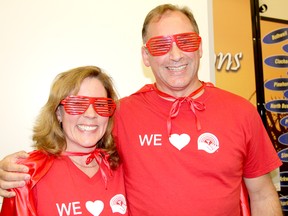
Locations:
{"points": [[48, 135]]}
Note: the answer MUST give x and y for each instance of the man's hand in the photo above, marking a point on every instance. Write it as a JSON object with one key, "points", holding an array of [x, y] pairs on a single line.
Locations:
{"points": [[12, 175]]}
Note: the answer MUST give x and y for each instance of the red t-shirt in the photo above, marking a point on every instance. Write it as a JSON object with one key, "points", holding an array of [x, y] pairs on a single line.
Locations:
{"points": [[195, 171], [66, 190]]}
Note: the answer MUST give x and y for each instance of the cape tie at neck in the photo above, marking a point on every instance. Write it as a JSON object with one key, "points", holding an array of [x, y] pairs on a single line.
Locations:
{"points": [[100, 156], [194, 105]]}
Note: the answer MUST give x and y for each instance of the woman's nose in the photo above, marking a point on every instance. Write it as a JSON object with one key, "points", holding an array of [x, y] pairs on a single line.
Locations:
{"points": [[90, 112]]}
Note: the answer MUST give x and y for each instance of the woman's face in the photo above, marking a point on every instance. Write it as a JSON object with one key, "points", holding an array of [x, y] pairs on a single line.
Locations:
{"points": [[83, 131]]}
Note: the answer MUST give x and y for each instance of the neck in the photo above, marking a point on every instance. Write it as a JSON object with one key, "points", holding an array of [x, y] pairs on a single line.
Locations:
{"points": [[196, 91], [90, 170], [80, 161]]}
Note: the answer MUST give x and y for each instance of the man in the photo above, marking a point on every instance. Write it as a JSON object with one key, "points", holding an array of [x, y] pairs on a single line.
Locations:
{"points": [[186, 145]]}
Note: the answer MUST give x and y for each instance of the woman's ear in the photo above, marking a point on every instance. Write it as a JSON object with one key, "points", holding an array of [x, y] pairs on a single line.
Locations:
{"points": [[59, 114]]}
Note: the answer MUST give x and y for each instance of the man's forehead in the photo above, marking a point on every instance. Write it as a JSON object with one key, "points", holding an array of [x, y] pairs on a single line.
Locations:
{"points": [[168, 23]]}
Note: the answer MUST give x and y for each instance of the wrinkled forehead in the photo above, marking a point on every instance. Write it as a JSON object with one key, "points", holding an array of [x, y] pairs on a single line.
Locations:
{"points": [[169, 23]]}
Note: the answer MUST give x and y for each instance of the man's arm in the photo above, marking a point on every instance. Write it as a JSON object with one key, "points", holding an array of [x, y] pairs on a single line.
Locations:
{"points": [[12, 175], [264, 200]]}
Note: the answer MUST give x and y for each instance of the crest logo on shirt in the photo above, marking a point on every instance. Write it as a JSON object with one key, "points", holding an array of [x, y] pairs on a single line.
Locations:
{"points": [[118, 204], [179, 141], [208, 142]]}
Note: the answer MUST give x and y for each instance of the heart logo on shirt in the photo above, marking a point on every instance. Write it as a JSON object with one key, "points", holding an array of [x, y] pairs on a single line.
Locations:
{"points": [[179, 141], [95, 208]]}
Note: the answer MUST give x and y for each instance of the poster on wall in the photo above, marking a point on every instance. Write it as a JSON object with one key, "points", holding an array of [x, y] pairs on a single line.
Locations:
{"points": [[234, 61], [275, 72]]}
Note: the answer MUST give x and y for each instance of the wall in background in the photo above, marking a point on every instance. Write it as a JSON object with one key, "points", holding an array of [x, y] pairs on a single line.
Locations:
{"points": [[39, 39], [234, 59]]}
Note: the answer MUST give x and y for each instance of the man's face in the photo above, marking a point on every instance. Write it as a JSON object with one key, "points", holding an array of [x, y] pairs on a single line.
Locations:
{"points": [[176, 71]]}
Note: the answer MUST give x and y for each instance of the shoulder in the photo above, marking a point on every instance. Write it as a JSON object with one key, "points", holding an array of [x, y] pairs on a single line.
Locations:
{"points": [[138, 96], [228, 98], [35, 156], [37, 161]]}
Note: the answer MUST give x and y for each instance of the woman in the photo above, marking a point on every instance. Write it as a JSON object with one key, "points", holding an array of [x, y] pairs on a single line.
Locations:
{"points": [[75, 168]]}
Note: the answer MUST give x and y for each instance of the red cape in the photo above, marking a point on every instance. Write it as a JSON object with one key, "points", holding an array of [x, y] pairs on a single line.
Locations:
{"points": [[23, 203]]}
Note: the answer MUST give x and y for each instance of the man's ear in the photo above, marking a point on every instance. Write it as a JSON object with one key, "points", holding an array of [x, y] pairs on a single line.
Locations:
{"points": [[145, 56], [200, 50]]}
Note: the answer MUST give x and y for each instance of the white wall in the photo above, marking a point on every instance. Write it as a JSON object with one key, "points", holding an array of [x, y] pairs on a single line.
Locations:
{"points": [[39, 39]]}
